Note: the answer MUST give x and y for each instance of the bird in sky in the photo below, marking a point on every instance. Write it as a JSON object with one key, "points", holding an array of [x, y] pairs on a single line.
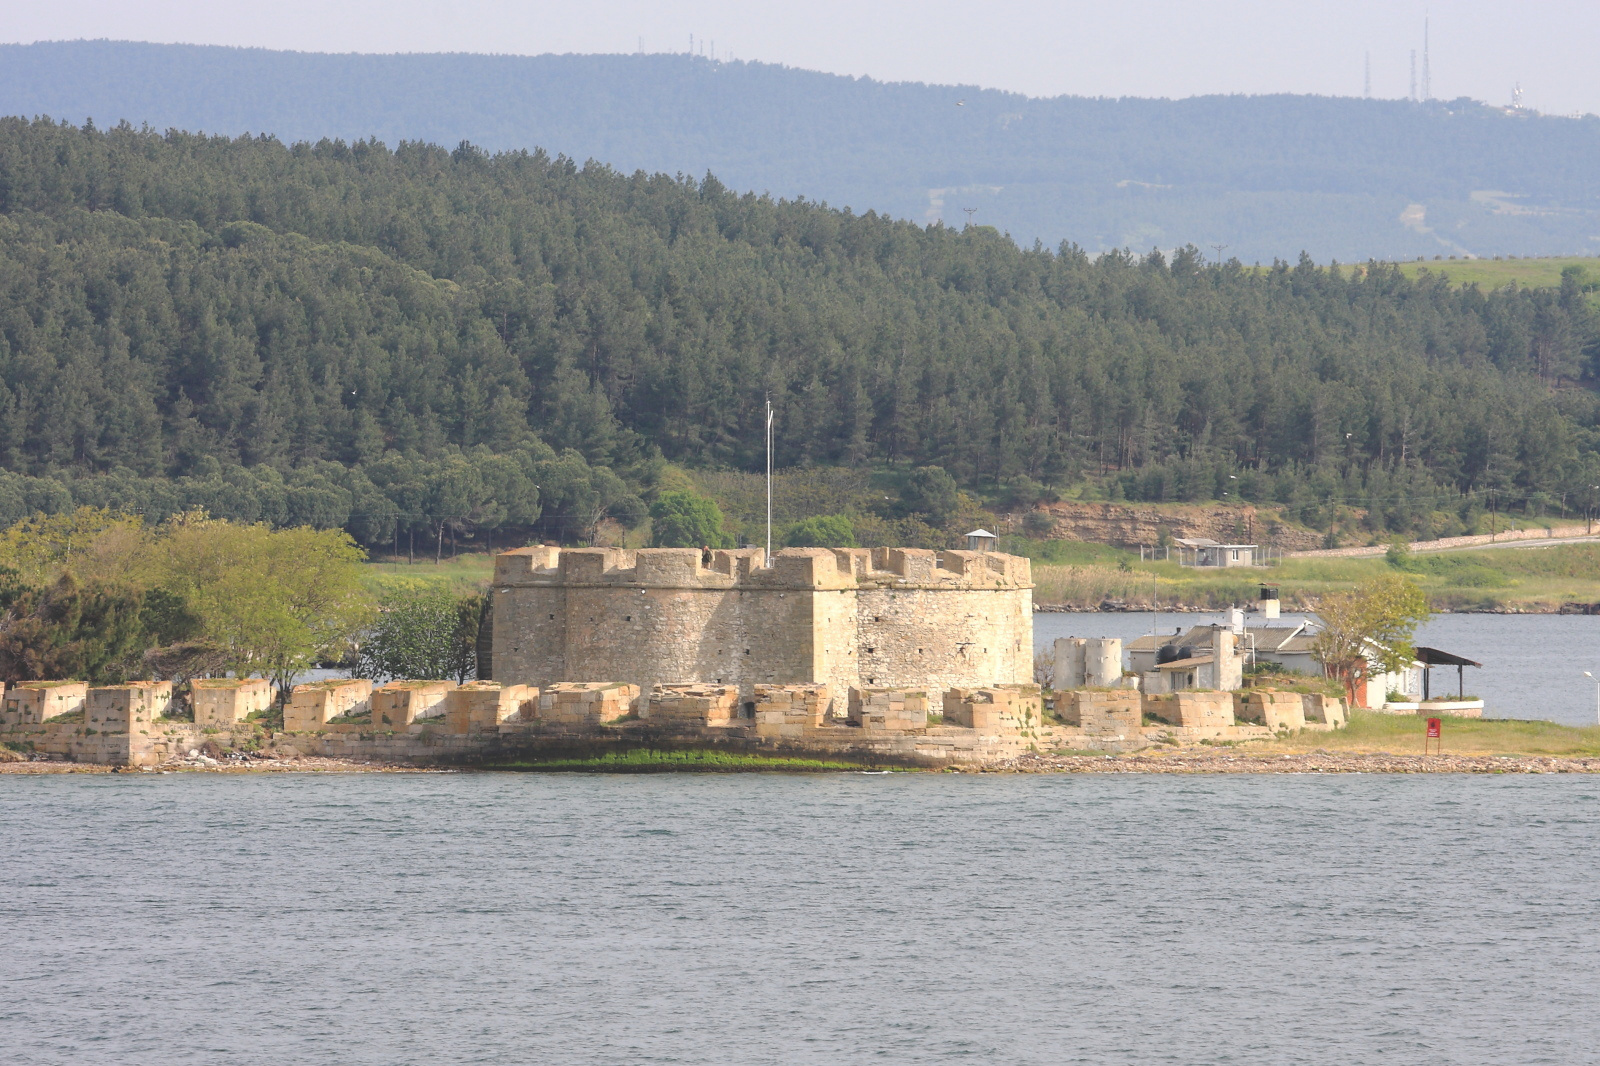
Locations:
{"points": [[961, 103]]}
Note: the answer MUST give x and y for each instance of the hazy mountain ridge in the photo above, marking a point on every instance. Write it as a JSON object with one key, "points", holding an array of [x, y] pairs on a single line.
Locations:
{"points": [[1265, 176]]}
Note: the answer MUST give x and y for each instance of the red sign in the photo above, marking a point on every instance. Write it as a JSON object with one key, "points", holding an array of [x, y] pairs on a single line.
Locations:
{"points": [[1433, 729]]}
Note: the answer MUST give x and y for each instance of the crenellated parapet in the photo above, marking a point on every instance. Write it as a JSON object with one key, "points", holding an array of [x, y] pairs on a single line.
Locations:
{"points": [[793, 569]]}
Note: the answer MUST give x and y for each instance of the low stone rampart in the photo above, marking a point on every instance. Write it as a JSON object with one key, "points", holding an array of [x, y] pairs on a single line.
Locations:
{"points": [[428, 723]]}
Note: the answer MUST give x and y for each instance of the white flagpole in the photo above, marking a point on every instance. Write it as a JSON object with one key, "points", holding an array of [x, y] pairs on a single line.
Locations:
{"points": [[769, 482]]}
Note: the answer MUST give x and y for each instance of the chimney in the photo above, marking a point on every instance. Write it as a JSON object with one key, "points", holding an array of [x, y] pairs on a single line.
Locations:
{"points": [[1269, 602]]}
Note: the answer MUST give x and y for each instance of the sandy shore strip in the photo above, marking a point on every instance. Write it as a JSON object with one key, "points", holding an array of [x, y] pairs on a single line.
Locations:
{"points": [[1314, 762]]}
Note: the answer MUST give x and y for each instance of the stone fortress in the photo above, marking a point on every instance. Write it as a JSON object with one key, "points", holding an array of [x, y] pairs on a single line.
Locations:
{"points": [[846, 618], [887, 655]]}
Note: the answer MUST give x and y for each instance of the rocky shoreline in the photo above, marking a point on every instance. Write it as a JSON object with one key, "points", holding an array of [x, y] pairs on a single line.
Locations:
{"points": [[1186, 761], [295, 764], [1117, 607]]}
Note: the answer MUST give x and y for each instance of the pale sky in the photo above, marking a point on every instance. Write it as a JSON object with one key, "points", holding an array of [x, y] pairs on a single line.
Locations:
{"points": [[1479, 48]]}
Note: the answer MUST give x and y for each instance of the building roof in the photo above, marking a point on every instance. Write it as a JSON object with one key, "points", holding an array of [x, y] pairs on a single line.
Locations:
{"points": [[1435, 657], [982, 533], [1186, 664], [1206, 542], [1266, 638]]}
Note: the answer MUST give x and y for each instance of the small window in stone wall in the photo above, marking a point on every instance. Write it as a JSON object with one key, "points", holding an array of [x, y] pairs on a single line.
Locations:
{"points": [[872, 651]]}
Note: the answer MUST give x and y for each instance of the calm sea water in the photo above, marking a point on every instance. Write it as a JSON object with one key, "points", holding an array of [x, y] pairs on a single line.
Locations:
{"points": [[769, 919], [1532, 664]]}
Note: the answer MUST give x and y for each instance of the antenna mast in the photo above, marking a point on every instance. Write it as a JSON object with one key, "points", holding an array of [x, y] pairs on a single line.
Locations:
{"points": [[769, 481], [1427, 76]]}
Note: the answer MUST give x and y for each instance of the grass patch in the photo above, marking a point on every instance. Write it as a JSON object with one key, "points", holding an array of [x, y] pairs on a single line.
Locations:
{"points": [[656, 760], [1403, 734], [1528, 577], [463, 574], [1543, 273]]}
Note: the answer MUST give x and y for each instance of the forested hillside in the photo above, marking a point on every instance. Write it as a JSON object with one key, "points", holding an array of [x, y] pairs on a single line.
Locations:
{"points": [[1266, 176], [417, 341]]}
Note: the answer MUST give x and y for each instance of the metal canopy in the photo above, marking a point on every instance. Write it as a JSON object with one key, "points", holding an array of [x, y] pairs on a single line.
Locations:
{"points": [[1435, 657], [1431, 657]]}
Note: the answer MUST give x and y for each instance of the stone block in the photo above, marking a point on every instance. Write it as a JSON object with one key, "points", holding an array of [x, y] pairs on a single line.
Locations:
{"points": [[222, 702], [889, 710], [790, 710], [33, 703], [1192, 710], [1273, 709], [127, 708], [692, 705], [1000, 709], [1326, 710], [587, 703], [1102, 714], [396, 704], [312, 705], [483, 706]]}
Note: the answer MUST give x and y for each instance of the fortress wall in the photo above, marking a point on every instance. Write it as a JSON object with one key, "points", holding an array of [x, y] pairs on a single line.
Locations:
{"points": [[944, 638]]}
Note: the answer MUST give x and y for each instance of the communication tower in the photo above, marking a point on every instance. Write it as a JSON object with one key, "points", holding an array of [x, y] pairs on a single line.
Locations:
{"points": [[1427, 76]]}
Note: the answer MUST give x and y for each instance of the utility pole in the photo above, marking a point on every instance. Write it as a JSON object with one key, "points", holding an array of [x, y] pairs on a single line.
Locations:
{"points": [[970, 212], [1219, 248]]}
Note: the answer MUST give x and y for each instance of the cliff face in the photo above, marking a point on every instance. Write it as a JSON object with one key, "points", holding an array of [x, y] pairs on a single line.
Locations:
{"points": [[1129, 525]]}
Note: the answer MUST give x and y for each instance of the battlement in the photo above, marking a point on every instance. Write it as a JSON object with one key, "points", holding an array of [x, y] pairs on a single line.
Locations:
{"points": [[745, 568]]}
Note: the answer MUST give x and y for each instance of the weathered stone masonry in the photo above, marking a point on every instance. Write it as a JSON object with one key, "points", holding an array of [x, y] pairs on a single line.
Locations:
{"points": [[884, 617]]}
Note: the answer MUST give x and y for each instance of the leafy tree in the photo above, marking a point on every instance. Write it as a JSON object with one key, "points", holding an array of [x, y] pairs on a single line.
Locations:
{"points": [[684, 519], [277, 601], [1370, 627], [931, 491], [93, 633], [422, 636], [1038, 523], [821, 531]]}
